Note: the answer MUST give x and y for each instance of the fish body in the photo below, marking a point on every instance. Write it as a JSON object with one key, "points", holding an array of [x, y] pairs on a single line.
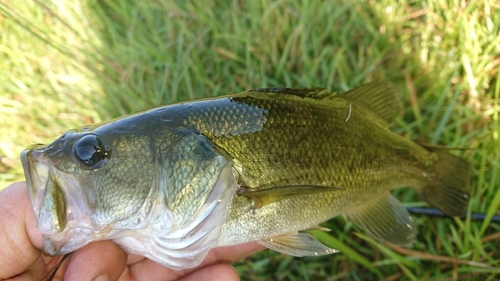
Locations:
{"points": [[264, 165]]}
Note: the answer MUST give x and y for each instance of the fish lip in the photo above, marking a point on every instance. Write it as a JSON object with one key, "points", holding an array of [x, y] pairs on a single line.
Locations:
{"points": [[36, 170]]}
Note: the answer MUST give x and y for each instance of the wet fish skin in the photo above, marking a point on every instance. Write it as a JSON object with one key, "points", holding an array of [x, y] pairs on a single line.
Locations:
{"points": [[326, 141], [296, 157]]}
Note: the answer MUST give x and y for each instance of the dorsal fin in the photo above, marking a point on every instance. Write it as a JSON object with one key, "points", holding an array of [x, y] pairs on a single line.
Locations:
{"points": [[379, 97], [316, 93]]}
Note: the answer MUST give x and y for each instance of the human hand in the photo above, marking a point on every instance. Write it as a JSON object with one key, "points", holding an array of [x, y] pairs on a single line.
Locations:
{"points": [[22, 259]]}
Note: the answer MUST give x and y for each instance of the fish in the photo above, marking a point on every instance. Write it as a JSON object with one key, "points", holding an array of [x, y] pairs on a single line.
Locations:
{"points": [[265, 165]]}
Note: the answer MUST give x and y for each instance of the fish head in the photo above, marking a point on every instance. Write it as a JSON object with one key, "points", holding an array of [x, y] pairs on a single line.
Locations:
{"points": [[86, 185]]}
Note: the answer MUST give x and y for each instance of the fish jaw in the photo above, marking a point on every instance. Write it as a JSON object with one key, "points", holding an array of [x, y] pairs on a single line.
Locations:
{"points": [[68, 221], [66, 202], [62, 216]]}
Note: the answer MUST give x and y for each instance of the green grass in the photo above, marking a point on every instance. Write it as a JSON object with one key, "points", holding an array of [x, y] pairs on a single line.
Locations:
{"points": [[65, 64]]}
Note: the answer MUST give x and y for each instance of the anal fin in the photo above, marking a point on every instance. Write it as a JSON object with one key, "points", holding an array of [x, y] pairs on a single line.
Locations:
{"points": [[268, 196], [298, 244], [385, 219]]}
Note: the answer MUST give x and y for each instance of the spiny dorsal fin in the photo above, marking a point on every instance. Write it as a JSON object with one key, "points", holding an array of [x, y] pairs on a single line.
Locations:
{"points": [[316, 93], [268, 196], [379, 97]]}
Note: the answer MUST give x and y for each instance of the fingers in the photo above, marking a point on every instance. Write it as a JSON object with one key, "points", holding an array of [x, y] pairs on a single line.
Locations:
{"points": [[21, 255], [103, 259], [149, 270], [20, 239], [235, 253], [220, 272]]}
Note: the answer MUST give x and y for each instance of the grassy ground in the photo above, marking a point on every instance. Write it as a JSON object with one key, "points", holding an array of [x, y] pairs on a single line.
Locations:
{"points": [[64, 64]]}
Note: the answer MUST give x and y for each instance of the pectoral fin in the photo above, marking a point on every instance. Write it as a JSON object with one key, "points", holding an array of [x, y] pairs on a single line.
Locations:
{"points": [[267, 196], [298, 244], [385, 219]]}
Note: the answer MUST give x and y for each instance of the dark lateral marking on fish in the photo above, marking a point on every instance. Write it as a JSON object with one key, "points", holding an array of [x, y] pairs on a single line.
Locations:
{"points": [[437, 213], [268, 196]]}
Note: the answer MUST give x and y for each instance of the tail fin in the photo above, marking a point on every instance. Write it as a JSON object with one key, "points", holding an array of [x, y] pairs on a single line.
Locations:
{"points": [[447, 187]]}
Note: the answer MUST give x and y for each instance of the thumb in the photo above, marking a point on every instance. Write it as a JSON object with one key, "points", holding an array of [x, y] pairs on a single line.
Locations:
{"points": [[20, 239]]}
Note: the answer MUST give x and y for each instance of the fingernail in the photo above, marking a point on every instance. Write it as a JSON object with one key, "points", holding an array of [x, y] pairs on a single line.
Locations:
{"points": [[102, 278]]}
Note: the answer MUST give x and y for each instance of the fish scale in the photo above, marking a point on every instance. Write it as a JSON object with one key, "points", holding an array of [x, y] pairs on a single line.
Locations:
{"points": [[327, 150], [264, 155]]}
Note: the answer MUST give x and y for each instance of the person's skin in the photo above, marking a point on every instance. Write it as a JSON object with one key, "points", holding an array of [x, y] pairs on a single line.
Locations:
{"points": [[21, 253]]}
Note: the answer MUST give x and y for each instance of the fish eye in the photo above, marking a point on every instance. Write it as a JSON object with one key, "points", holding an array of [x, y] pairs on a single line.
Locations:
{"points": [[91, 152]]}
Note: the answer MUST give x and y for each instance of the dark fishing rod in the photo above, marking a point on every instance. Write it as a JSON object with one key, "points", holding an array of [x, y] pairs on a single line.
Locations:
{"points": [[437, 213]]}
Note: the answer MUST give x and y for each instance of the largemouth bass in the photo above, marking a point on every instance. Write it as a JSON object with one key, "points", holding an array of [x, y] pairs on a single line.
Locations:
{"points": [[264, 165]]}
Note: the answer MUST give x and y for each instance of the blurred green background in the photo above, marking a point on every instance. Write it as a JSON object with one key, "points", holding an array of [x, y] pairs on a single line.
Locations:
{"points": [[64, 64]]}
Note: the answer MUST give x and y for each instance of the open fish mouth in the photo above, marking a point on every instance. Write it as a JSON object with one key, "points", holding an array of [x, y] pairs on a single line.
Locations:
{"points": [[36, 169], [65, 226]]}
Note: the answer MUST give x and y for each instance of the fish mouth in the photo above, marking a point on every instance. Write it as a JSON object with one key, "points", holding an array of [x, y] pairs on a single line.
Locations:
{"points": [[62, 218], [36, 170]]}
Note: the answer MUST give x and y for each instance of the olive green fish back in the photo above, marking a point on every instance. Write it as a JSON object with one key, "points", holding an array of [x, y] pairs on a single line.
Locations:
{"points": [[282, 137]]}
